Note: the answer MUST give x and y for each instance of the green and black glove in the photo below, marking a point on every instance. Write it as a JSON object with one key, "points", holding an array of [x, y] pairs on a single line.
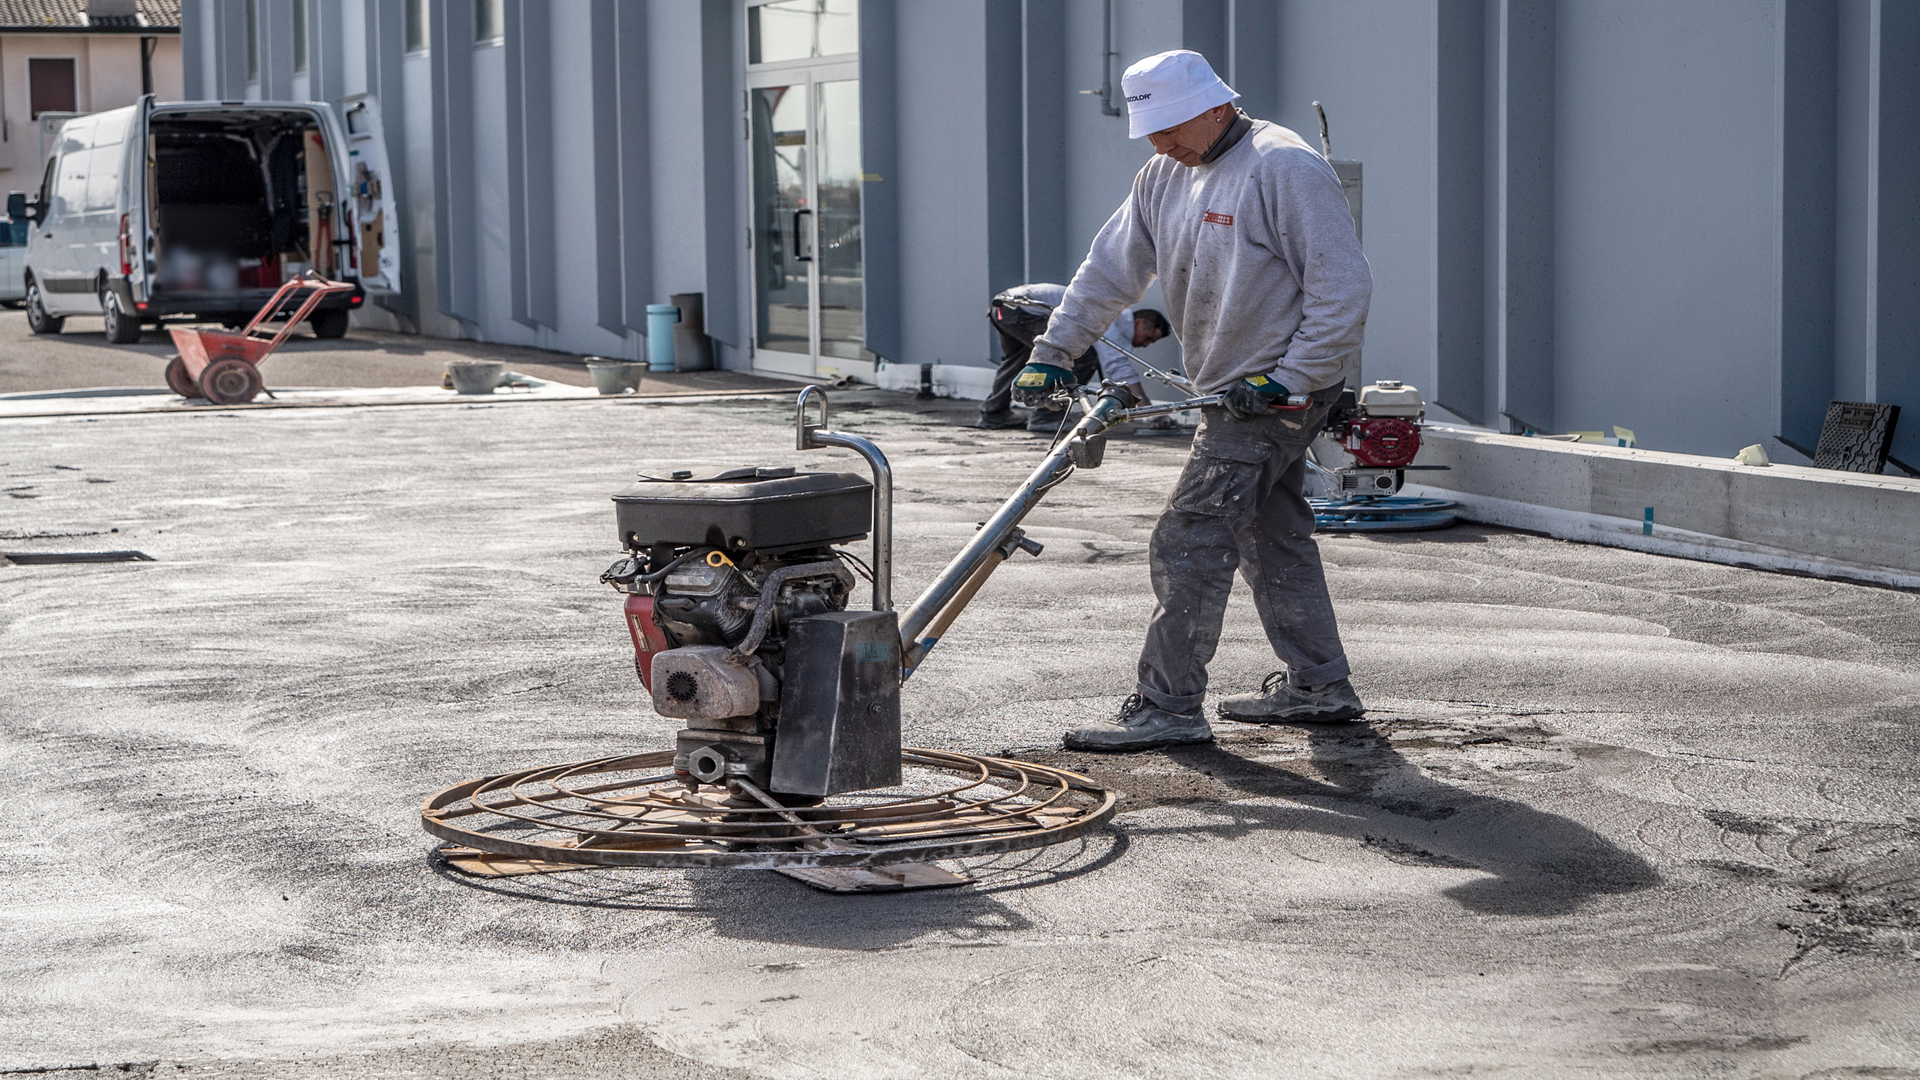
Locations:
{"points": [[1037, 384], [1255, 396]]}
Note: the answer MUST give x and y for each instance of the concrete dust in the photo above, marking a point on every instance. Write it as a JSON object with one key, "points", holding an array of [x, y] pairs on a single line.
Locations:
{"points": [[1611, 814]]}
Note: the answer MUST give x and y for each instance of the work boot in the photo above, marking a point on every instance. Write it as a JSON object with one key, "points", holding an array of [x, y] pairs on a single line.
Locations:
{"points": [[1141, 725], [1000, 421], [1280, 702]]}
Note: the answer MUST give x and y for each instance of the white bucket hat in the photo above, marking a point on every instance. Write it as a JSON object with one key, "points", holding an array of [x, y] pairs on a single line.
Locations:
{"points": [[1170, 88]]}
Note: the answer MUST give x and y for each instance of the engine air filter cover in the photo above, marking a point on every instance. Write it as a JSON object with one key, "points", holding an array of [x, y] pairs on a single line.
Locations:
{"points": [[1383, 442], [759, 509]]}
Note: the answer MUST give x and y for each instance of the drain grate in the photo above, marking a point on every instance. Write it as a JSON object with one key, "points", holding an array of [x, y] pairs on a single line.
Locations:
{"points": [[48, 558]]}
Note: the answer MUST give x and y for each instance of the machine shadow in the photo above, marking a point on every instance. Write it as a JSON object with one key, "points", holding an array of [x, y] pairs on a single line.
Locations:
{"points": [[769, 908], [1538, 863], [759, 905]]}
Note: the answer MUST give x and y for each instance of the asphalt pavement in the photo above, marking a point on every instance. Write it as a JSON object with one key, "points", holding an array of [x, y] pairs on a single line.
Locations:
{"points": [[1612, 814]]}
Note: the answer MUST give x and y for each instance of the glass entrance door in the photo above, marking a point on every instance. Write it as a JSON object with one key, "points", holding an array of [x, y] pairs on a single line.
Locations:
{"points": [[808, 289]]}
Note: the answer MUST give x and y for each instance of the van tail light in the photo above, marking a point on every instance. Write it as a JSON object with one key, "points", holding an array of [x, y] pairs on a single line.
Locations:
{"points": [[126, 245]]}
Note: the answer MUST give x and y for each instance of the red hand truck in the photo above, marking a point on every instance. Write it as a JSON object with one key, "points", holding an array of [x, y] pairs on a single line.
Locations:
{"points": [[224, 367]]}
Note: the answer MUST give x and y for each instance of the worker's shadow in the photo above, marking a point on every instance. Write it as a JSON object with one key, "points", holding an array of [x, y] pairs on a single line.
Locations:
{"points": [[1537, 863]]}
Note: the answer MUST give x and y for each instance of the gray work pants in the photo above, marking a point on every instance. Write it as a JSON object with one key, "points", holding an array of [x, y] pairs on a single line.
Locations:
{"points": [[1238, 504]]}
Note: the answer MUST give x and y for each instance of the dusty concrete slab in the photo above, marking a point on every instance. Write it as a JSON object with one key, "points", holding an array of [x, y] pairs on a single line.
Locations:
{"points": [[1614, 814]]}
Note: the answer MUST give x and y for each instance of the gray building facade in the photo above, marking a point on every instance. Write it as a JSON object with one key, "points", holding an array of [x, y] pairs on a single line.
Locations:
{"points": [[1699, 220]]}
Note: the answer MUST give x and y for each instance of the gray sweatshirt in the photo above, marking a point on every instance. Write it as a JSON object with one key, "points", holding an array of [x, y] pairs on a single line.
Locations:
{"points": [[1257, 259]]}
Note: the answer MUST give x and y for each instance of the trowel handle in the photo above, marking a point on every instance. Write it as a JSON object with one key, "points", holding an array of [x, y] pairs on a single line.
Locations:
{"points": [[938, 627]]}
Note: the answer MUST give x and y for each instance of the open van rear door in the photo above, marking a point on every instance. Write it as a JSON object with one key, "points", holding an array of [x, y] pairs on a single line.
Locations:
{"points": [[142, 195], [376, 222]]}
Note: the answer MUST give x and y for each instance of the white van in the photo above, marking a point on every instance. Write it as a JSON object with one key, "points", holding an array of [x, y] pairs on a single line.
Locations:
{"points": [[200, 210], [13, 262]]}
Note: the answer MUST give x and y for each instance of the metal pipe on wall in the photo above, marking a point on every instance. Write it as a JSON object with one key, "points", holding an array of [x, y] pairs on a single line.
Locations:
{"points": [[1107, 53]]}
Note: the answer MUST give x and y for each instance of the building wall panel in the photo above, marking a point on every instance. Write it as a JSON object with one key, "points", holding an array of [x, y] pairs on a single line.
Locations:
{"points": [[1665, 173]]}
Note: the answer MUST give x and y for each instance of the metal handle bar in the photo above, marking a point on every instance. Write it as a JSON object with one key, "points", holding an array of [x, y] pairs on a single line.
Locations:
{"points": [[1293, 401], [815, 436], [1101, 415], [1178, 382], [797, 236]]}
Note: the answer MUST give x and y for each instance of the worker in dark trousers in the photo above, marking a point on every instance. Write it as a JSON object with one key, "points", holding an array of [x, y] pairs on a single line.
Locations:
{"points": [[1020, 314], [1245, 227]]}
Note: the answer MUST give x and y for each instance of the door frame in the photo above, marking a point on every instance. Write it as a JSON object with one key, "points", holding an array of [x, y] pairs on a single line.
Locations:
{"points": [[808, 73]]}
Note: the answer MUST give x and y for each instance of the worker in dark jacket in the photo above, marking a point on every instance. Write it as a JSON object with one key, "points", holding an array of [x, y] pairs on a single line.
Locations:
{"points": [[1020, 314]]}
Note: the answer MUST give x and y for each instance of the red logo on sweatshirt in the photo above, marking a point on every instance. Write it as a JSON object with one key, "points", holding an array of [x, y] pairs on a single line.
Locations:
{"points": [[1218, 219]]}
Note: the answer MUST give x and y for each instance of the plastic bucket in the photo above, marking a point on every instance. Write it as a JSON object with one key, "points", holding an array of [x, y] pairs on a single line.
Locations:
{"points": [[616, 376], [476, 376], [660, 320]]}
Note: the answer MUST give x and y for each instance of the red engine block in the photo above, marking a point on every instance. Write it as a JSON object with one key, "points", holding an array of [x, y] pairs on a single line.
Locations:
{"points": [[1382, 442], [647, 636]]}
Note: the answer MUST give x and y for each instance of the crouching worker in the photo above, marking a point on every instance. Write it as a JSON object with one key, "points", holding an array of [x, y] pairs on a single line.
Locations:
{"points": [[1246, 228], [1019, 315]]}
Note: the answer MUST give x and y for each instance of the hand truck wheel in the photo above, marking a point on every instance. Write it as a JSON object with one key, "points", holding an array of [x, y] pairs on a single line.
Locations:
{"points": [[230, 381], [178, 380]]}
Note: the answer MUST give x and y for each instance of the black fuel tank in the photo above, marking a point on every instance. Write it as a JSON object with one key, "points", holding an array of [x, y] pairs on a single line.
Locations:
{"points": [[759, 509]]}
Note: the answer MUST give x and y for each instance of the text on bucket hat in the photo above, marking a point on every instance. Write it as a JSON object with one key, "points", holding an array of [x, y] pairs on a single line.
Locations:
{"points": [[1170, 88]]}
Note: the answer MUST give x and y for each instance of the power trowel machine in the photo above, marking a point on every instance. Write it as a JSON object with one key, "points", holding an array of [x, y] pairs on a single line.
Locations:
{"points": [[1361, 460], [739, 601]]}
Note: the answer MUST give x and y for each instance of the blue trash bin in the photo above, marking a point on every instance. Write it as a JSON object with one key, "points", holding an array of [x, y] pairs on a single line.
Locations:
{"points": [[660, 320]]}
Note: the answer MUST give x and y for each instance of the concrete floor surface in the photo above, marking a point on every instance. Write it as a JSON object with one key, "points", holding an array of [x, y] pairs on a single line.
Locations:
{"points": [[1612, 814]]}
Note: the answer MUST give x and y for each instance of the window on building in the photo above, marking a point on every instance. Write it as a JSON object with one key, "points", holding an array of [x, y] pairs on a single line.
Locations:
{"points": [[50, 85], [253, 40], [299, 35], [416, 25], [797, 29], [489, 20]]}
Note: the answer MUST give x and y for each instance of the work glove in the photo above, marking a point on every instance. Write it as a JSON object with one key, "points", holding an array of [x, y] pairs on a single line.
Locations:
{"points": [[1037, 384], [1255, 396]]}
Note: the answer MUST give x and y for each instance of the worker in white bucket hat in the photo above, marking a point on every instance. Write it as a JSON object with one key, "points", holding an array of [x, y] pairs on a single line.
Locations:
{"points": [[1166, 90], [1246, 229]]}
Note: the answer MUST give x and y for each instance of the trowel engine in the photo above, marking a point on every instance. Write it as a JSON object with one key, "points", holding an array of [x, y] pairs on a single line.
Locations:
{"points": [[1379, 429], [737, 600]]}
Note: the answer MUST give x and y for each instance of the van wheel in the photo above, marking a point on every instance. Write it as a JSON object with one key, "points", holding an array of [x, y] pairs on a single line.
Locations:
{"points": [[328, 324], [38, 320], [122, 329]]}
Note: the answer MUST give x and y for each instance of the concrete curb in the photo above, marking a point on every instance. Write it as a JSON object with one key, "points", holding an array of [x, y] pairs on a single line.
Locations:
{"points": [[181, 408], [1778, 517]]}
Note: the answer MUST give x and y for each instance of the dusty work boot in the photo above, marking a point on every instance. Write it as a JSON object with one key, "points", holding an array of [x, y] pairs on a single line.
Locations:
{"points": [[1280, 702], [1141, 725], [1000, 421]]}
